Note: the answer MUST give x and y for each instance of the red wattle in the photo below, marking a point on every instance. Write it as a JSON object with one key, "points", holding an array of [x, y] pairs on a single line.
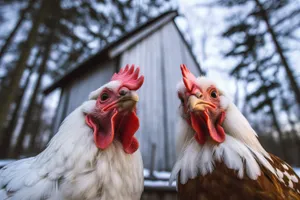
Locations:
{"points": [[219, 127], [198, 127], [204, 126], [216, 131], [124, 125], [103, 136], [133, 146], [129, 126]]}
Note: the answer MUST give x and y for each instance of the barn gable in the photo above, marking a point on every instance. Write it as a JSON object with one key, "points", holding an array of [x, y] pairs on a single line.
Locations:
{"points": [[158, 48]]}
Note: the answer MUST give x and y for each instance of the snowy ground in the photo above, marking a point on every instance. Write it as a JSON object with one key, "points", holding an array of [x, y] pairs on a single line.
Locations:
{"points": [[162, 175], [159, 179]]}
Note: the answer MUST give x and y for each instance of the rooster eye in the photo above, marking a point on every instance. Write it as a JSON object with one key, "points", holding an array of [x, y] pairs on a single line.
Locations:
{"points": [[181, 100], [104, 96], [214, 94]]}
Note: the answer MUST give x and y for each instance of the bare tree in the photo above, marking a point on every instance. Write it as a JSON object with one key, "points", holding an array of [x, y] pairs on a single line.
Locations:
{"points": [[42, 69], [12, 34], [21, 64], [290, 75]]}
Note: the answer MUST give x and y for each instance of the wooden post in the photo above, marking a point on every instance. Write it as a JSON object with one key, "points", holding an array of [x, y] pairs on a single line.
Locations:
{"points": [[153, 153]]}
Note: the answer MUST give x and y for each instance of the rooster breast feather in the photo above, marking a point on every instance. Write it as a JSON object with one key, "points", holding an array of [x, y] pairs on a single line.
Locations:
{"points": [[21, 180], [40, 177]]}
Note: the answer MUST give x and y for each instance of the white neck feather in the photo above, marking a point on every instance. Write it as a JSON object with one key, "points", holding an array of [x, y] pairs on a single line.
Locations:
{"points": [[236, 125], [74, 137], [197, 160]]}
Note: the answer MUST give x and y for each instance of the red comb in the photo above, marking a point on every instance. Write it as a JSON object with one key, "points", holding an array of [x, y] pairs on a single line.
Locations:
{"points": [[188, 78], [129, 77]]}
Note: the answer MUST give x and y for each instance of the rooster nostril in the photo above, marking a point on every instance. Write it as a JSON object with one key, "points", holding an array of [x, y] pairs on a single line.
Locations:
{"points": [[123, 92], [199, 95]]}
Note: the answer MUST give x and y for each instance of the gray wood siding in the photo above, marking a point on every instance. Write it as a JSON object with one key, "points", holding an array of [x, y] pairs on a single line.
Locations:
{"points": [[78, 90], [82, 86], [60, 109], [148, 56], [159, 56]]}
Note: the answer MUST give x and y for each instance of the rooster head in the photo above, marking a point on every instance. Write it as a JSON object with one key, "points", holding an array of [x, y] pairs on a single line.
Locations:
{"points": [[211, 114], [202, 107], [114, 116]]}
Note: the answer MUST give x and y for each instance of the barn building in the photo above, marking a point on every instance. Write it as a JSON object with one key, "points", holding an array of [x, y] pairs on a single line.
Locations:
{"points": [[159, 48]]}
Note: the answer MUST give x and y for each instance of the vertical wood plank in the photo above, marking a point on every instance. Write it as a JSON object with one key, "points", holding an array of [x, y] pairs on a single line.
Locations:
{"points": [[81, 87], [175, 52], [147, 55]]}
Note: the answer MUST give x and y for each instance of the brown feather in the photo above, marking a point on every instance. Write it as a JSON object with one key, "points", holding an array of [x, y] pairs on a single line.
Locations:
{"points": [[223, 183]]}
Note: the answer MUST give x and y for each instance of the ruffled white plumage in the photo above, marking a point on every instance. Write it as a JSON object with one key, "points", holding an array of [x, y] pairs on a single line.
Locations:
{"points": [[198, 160], [72, 167]]}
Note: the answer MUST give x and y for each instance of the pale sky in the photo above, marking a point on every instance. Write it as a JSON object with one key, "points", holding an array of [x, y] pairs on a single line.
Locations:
{"points": [[205, 25]]}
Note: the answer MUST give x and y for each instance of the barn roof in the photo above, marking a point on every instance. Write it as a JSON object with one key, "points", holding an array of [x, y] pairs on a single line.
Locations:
{"points": [[115, 48]]}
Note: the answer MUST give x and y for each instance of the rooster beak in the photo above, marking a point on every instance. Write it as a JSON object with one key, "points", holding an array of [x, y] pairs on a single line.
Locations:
{"points": [[128, 101], [196, 104]]}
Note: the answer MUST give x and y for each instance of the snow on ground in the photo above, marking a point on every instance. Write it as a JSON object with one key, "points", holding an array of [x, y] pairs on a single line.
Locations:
{"points": [[157, 174], [158, 183], [159, 179]]}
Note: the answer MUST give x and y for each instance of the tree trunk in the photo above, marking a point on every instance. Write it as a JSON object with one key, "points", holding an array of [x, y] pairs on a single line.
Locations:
{"points": [[19, 145], [21, 64], [277, 127], [5, 86], [292, 80], [294, 135], [8, 132], [16, 28], [274, 118], [36, 129]]}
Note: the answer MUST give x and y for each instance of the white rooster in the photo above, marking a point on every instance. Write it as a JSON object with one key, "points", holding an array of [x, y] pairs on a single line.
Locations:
{"points": [[94, 155]]}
